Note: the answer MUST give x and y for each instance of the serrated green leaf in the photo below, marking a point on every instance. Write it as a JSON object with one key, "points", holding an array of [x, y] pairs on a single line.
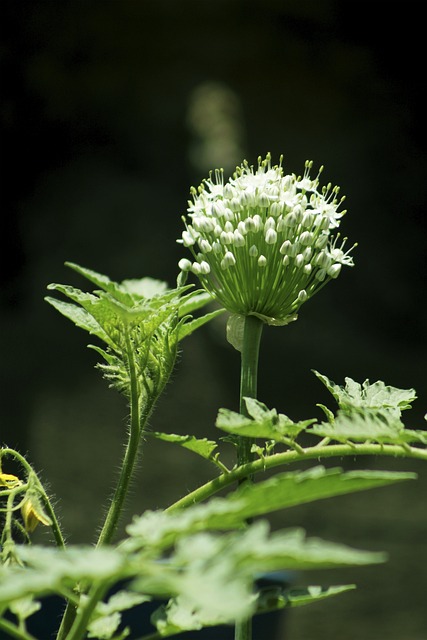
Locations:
{"points": [[282, 491], [373, 396], [81, 318], [293, 488], [193, 301], [368, 425], [202, 446], [189, 326], [262, 423]]}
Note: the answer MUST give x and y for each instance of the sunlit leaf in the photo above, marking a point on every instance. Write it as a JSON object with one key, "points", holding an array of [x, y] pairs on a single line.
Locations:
{"points": [[283, 490], [368, 425], [202, 446], [373, 396], [262, 423]]}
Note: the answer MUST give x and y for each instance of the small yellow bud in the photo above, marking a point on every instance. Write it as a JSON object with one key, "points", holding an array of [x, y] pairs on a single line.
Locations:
{"points": [[32, 513]]}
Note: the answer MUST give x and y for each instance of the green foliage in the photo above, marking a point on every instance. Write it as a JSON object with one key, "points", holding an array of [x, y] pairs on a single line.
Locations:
{"points": [[262, 423], [369, 396], [140, 323], [203, 560]]}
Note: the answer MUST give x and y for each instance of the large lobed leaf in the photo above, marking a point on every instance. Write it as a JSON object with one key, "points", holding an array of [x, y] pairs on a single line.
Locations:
{"points": [[370, 396], [161, 529]]}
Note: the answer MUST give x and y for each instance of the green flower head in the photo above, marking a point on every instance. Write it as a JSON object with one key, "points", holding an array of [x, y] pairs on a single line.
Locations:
{"points": [[262, 242]]}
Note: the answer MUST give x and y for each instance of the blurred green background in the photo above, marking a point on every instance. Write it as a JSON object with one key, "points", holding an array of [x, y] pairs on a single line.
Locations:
{"points": [[110, 110]]}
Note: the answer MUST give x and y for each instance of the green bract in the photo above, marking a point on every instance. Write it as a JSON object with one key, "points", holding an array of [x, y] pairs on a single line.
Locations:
{"points": [[262, 242]]}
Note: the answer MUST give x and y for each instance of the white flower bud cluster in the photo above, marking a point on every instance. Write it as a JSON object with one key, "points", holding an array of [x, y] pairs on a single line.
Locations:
{"points": [[261, 243]]}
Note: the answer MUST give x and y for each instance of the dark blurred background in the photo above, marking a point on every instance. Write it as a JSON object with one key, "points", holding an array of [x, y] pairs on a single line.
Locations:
{"points": [[110, 110]]}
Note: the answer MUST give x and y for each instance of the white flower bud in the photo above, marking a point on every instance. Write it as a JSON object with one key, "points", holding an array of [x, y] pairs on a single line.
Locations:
{"points": [[250, 225], [218, 209], [262, 199], [216, 247], [322, 241], [307, 253], [228, 261], [262, 261], [308, 219], [184, 264], [253, 251], [205, 246], [234, 204], [228, 191], [258, 222], [228, 227], [270, 223], [276, 209], [285, 261], [299, 260], [334, 270], [323, 260], [307, 269], [239, 240], [290, 220], [280, 226], [286, 248], [298, 213], [244, 199], [226, 238], [302, 296], [204, 267], [195, 268], [242, 228], [271, 236], [187, 239], [321, 275], [206, 224], [306, 238]]}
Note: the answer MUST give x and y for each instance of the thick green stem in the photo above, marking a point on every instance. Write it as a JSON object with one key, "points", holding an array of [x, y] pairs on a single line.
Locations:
{"points": [[248, 378], [248, 388]]}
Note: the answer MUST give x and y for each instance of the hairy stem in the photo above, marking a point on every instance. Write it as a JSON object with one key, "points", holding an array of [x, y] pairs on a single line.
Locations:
{"points": [[137, 422], [248, 388], [117, 501], [288, 457]]}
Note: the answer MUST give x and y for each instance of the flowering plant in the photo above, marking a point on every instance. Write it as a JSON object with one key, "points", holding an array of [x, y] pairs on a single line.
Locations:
{"points": [[262, 244]]}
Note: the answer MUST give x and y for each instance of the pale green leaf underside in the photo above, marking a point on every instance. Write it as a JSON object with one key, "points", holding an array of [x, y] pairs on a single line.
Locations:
{"points": [[261, 423], [202, 446], [367, 425], [284, 490]]}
